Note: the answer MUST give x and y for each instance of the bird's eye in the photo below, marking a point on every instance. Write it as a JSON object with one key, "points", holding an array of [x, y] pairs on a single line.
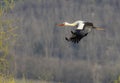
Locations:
{"points": [[77, 25], [64, 23]]}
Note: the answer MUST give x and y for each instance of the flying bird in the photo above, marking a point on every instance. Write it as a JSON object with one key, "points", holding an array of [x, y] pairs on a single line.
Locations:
{"points": [[82, 28]]}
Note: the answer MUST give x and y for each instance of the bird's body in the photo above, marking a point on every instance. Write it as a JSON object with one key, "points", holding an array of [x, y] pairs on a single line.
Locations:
{"points": [[82, 30]]}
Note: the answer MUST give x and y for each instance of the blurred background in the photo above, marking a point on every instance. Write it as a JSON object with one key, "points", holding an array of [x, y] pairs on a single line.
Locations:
{"points": [[42, 53]]}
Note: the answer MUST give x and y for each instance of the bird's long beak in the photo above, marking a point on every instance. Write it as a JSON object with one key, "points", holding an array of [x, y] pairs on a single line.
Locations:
{"points": [[61, 25]]}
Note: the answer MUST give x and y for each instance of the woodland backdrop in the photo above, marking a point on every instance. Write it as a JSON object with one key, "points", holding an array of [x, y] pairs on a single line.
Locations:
{"points": [[41, 51]]}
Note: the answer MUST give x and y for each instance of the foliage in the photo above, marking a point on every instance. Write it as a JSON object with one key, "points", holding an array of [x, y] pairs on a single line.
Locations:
{"points": [[117, 80], [7, 37]]}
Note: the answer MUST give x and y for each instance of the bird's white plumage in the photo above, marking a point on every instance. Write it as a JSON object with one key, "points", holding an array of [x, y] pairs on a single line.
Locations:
{"points": [[80, 24]]}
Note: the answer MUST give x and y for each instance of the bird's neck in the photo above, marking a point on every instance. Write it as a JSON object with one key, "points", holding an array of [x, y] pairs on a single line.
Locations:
{"points": [[71, 24]]}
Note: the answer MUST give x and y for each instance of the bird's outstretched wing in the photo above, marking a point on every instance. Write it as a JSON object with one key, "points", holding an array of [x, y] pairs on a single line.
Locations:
{"points": [[77, 36], [74, 38]]}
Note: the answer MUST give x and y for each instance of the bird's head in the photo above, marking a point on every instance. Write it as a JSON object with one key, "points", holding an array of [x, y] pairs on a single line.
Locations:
{"points": [[63, 24]]}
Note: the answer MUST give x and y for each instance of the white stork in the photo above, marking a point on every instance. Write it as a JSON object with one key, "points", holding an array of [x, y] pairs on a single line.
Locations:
{"points": [[82, 30]]}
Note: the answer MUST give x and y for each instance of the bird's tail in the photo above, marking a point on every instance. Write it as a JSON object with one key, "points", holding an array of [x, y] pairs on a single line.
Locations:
{"points": [[98, 28]]}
